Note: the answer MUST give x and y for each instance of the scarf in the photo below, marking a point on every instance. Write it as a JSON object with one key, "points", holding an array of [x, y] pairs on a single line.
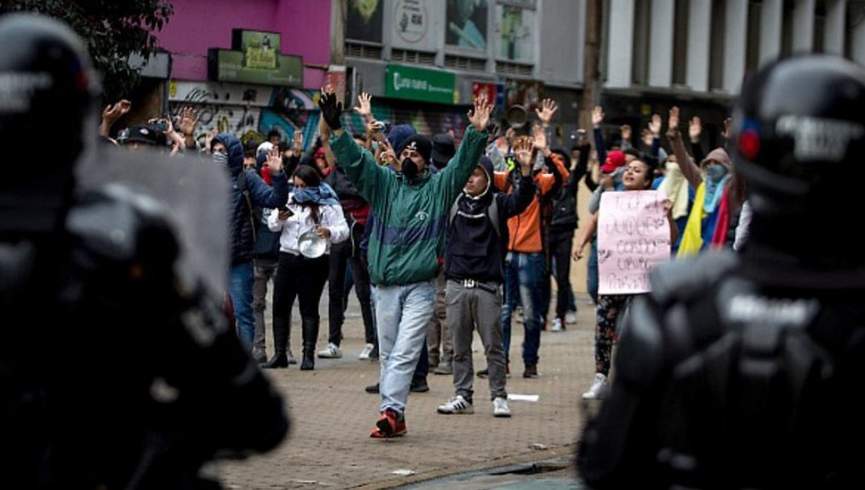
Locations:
{"points": [[675, 187], [322, 195]]}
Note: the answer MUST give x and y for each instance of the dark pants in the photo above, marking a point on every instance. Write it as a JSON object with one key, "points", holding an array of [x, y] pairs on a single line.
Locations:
{"points": [[302, 278], [343, 255], [561, 243]]}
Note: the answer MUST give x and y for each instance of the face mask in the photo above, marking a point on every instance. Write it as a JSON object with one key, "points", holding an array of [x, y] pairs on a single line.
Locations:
{"points": [[716, 172], [220, 158], [409, 168]]}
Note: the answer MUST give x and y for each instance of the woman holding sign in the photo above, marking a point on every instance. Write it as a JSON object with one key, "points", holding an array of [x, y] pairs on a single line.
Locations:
{"points": [[635, 229]]}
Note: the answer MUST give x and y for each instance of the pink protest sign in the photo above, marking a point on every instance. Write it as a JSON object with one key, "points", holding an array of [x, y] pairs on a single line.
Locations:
{"points": [[633, 237]]}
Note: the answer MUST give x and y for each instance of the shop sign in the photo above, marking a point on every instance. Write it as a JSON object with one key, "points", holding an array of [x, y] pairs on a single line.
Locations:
{"points": [[404, 82]]}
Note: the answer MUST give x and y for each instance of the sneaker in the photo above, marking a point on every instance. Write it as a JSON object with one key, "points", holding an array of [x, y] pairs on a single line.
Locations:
{"points": [[390, 424], [259, 356], [330, 352], [373, 356], [571, 318], [291, 359], [557, 325], [501, 408], [456, 405], [598, 388], [364, 354], [531, 371], [418, 386], [444, 368], [372, 389]]}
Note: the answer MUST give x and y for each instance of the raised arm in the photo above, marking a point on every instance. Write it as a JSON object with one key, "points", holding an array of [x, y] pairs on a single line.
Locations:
{"points": [[686, 163], [516, 202], [452, 179], [371, 180], [600, 146], [269, 196]]}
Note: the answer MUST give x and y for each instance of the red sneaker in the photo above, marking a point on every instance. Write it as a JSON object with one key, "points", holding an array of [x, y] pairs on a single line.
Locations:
{"points": [[390, 424]]}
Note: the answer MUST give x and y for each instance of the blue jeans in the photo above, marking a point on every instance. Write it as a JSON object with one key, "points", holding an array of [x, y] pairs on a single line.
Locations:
{"points": [[524, 276], [402, 314], [592, 273], [242, 278]]}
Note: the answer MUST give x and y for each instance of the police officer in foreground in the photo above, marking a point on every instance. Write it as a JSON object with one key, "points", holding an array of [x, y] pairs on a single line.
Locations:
{"points": [[117, 369], [747, 371]]}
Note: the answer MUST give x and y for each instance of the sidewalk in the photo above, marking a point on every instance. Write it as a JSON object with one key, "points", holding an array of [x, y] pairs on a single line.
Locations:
{"points": [[332, 416]]}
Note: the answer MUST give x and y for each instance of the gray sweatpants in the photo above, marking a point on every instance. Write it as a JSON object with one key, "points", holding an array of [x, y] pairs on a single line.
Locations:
{"points": [[467, 309]]}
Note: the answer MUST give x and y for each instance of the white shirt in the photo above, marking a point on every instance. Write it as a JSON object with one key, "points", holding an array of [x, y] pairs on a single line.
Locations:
{"points": [[300, 222]]}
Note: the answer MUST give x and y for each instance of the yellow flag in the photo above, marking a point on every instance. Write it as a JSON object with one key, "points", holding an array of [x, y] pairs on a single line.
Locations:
{"points": [[692, 238]]}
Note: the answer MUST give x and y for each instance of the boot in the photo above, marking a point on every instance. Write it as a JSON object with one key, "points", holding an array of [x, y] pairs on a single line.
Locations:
{"points": [[279, 360], [310, 335], [280, 345]]}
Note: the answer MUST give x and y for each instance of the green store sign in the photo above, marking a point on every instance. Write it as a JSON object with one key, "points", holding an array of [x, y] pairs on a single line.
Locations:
{"points": [[403, 82]]}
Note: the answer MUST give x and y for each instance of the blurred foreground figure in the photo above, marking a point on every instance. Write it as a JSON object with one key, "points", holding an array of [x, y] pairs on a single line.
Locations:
{"points": [[745, 371], [117, 367]]}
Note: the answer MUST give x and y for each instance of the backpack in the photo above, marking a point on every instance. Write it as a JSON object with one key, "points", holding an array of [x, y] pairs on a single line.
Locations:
{"points": [[492, 214]]}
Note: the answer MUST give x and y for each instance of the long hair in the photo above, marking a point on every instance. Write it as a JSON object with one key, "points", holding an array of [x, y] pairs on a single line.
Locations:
{"points": [[311, 178]]}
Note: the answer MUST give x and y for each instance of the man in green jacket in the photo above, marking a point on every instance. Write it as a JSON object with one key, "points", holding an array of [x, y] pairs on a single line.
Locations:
{"points": [[411, 212]]}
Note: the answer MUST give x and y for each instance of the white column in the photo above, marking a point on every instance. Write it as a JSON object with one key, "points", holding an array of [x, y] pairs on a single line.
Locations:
{"points": [[771, 27], [661, 29], [803, 26], [699, 42], [735, 44], [620, 43], [833, 34]]}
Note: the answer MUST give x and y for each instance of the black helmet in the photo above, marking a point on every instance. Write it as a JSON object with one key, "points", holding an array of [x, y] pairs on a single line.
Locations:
{"points": [[798, 130], [47, 92]]}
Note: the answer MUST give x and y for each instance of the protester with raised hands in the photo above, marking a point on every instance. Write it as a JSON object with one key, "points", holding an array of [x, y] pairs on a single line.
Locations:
{"points": [[111, 114], [405, 241]]}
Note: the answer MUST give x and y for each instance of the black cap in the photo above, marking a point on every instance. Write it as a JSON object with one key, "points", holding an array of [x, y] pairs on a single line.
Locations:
{"points": [[418, 143], [443, 149]]}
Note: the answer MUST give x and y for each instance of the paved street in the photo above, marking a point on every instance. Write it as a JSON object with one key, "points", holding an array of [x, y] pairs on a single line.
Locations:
{"points": [[329, 445]]}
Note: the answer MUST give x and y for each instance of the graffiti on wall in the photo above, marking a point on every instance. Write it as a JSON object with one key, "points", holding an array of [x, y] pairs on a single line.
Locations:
{"points": [[249, 112]]}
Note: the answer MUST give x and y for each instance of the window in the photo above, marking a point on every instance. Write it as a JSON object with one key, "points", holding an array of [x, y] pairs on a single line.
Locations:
{"points": [[640, 59], [718, 40], [680, 42]]}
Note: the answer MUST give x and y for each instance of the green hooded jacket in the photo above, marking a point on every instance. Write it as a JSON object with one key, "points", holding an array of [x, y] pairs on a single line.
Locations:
{"points": [[409, 221]]}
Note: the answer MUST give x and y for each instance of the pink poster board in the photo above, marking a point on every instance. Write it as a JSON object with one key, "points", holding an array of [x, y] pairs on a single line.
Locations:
{"points": [[633, 238]]}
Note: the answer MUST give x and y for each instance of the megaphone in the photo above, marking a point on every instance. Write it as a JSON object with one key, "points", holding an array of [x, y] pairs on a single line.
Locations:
{"points": [[516, 116]]}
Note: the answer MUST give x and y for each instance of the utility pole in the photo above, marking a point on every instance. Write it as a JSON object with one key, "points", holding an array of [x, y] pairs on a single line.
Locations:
{"points": [[591, 65]]}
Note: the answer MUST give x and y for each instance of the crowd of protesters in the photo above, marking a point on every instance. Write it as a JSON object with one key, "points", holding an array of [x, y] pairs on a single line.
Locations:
{"points": [[439, 239]]}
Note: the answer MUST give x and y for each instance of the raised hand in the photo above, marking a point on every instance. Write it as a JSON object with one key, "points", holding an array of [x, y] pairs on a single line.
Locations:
{"points": [[364, 106], [673, 121], [597, 116], [625, 130], [695, 129], [113, 112], [274, 160], [297, 142], [479, 116], [523, 151], [655, 125], [188, 121], [547, 111], [331, 109], [728, 122]]}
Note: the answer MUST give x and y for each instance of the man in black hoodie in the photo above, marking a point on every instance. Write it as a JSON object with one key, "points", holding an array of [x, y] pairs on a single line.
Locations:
{"points": [[474, 258]]}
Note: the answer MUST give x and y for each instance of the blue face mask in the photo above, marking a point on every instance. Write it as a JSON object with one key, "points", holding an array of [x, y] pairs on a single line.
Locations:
{"points": [[715, 172]]}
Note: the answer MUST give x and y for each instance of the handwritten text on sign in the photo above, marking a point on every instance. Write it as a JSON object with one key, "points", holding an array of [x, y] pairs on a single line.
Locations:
{"points": [[633, 237]]}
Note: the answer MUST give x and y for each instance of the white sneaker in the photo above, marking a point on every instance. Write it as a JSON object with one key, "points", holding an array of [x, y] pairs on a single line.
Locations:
{"points": [[500, 407], [330, 352], [557, 325], [598, 388], [367, 350], [456, 405], [571, 318]]}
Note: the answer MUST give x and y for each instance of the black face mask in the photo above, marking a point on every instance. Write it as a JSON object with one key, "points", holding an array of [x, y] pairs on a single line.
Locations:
{"points": [[409, 169]]}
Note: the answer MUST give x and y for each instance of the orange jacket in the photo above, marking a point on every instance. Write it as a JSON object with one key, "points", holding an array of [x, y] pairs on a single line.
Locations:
{"points": [[525, 229]]}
